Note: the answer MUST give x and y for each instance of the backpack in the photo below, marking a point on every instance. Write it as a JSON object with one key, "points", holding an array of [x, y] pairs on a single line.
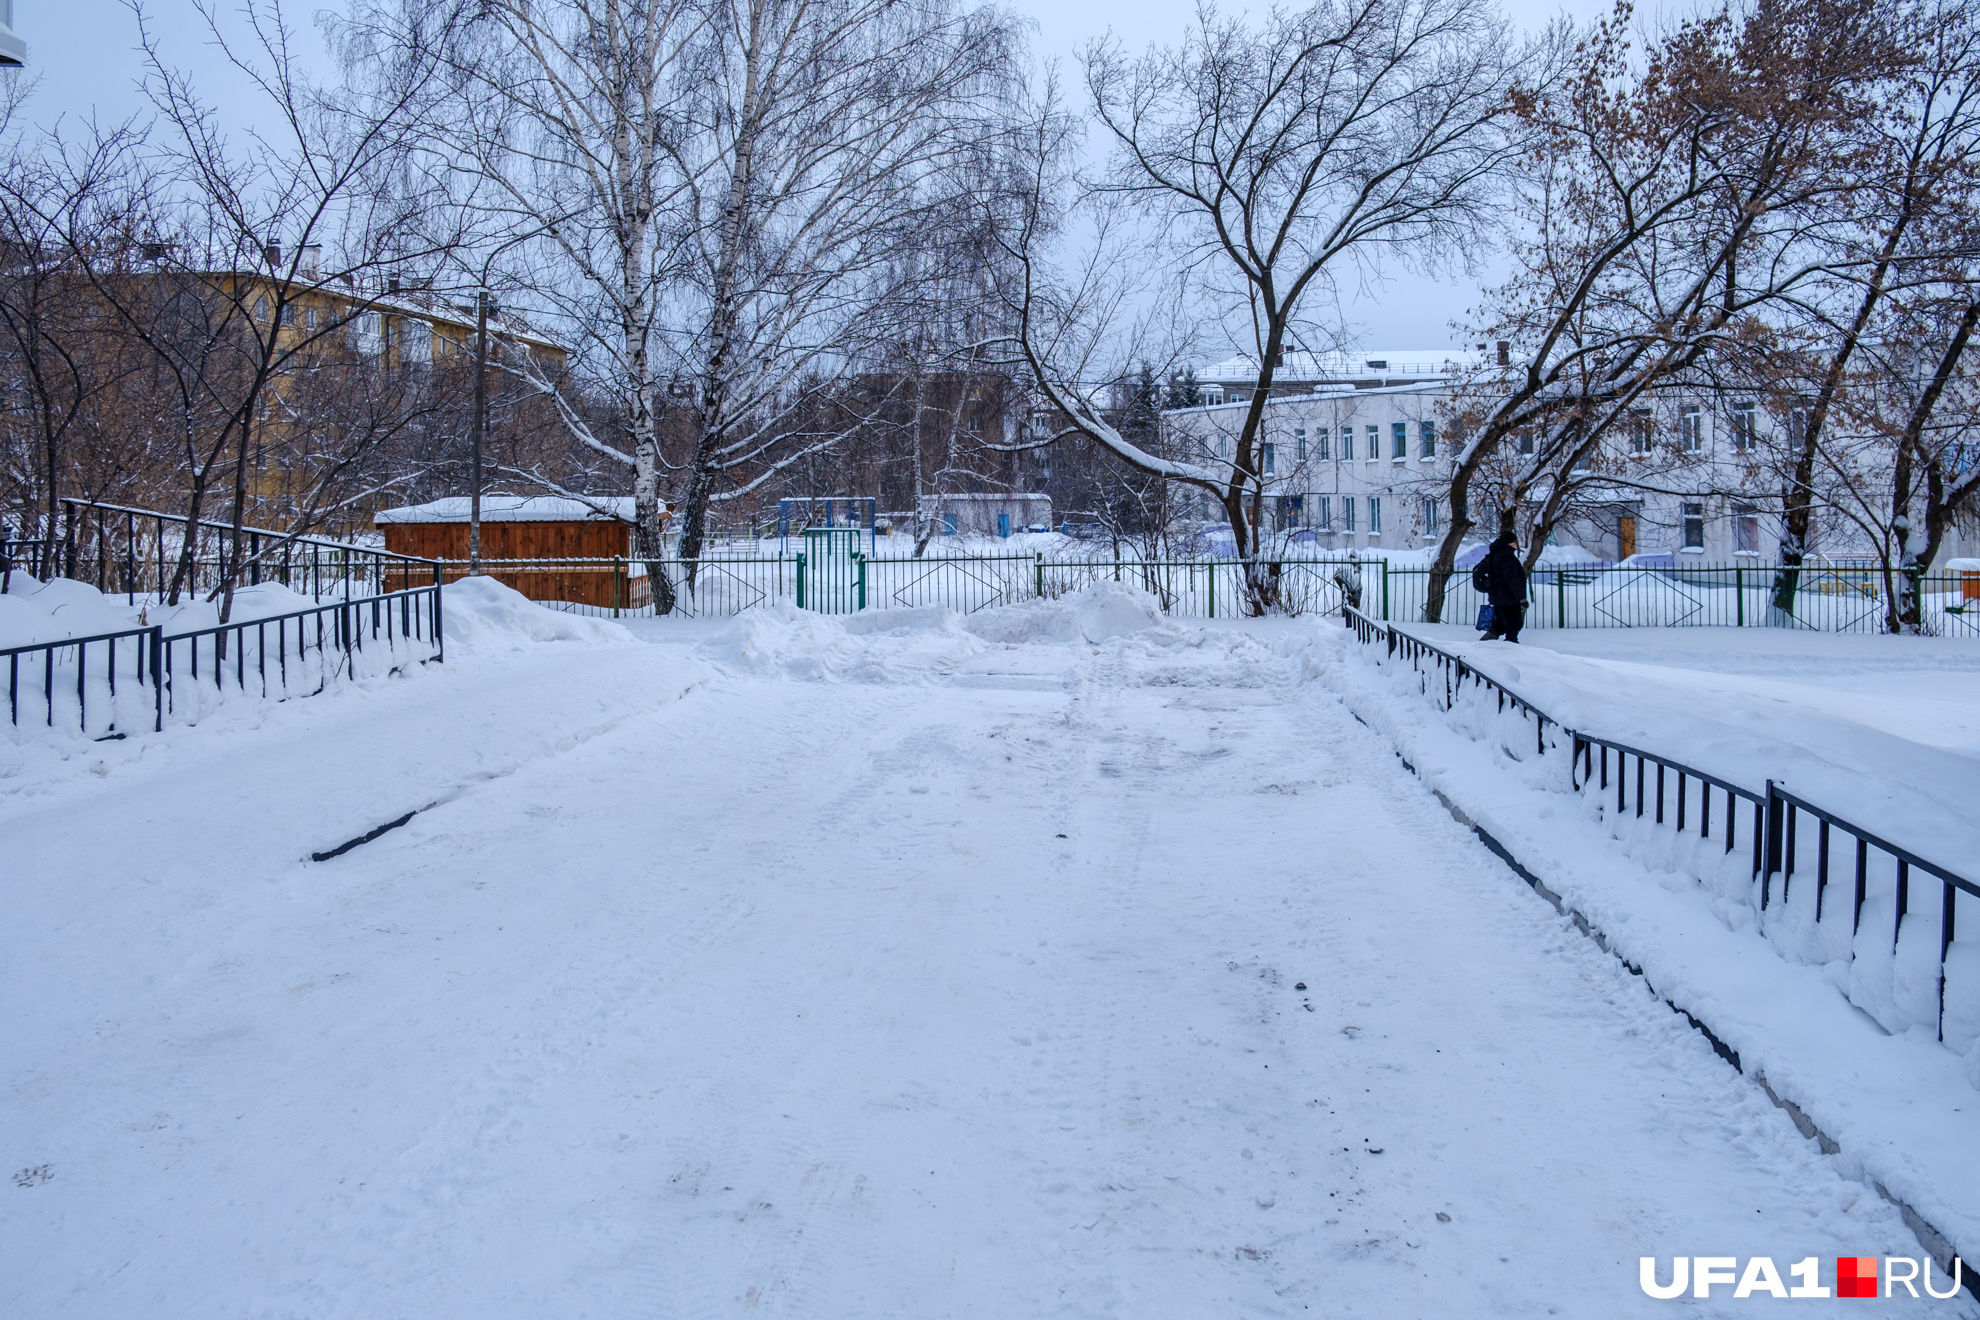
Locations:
{"points": [[1481, 576]]}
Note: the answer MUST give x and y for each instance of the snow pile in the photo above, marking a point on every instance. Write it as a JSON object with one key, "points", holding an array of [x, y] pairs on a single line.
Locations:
{"points": [[1094, 614], [480, 616], [34, 612], [876, 646]]}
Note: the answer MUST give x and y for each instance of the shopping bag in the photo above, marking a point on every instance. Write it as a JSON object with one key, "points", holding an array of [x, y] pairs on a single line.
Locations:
{"points": [[1486, 618]]}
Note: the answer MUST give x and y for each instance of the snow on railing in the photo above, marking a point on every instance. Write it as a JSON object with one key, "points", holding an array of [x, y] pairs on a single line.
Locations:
{"points": [[1885, 974]]}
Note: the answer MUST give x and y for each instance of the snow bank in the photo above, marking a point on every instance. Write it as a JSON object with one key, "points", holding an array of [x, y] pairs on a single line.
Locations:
{"points": [[1776, 988], [34, 612], [480, 616], [1093, 614]]}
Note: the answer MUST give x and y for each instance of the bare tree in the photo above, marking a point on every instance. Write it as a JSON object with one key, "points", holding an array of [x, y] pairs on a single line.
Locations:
{"points": [[1670, 202], [1281, 160]]}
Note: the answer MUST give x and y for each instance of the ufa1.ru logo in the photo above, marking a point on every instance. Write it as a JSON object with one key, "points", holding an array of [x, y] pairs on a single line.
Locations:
{"points": [[1856, 1276]]}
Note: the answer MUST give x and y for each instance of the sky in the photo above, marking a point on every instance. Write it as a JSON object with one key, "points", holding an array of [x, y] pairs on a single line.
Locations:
{"points": [[85, 54]]}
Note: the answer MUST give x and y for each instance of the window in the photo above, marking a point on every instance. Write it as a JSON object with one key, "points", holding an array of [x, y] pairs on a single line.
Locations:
{"points": [[1374, 515], [975, 425], [1237, 397], [1691, 428], [1641, 435], [1374, 442], [1526, 442], [1326, 513], [261, 309], [1271, 458], [1743, 427], [288, 314], [1320, 447], [1347, 513], [1299, 445], [1746, 529], [309, 319], [1694, 527], [1430, 517], [1797, 425], [1399, 441], [415, 341], [1427, 437], [1347, 444], [367, 333]]}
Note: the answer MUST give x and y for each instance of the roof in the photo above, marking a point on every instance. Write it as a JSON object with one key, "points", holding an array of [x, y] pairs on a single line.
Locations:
{"points": [[515, 508], [1365, 363]]}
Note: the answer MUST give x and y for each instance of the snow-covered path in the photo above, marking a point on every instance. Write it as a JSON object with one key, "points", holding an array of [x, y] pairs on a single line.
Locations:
{"points": [[973, 995]]}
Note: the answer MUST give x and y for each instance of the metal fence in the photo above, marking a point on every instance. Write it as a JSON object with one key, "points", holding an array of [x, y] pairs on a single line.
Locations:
{"points": [[115, 684], [141, 552], [1767, 855], [1827, 598]]}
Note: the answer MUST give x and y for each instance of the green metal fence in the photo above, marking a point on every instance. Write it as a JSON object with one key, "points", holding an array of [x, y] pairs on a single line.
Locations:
{"points": [[834, 578], [1826, 599]]}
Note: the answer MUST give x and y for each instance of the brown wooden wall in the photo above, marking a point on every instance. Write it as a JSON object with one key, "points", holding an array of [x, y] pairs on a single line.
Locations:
{"points": [[591, 539]]}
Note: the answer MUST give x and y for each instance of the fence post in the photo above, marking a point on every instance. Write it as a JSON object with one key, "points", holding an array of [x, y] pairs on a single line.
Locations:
{"points": [[618, 570], [860, 562], [439, 639], [800, 579], [1385, 588], [1560, 597], [1739, 594], [1038, 588], [157, 680], [1213, 588], [1771, 861]]}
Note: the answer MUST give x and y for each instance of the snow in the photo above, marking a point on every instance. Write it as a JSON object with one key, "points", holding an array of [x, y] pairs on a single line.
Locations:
{"points": [[33, 612], [897, 964], [513, 508], [1781, 991], [481, 615]]}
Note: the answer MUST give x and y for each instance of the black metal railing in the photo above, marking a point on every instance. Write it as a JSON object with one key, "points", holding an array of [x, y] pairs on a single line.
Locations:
{"points": [[1671, 793], [75, 682], [25, 554], [58, 663], [142, 552], [279, 655]]}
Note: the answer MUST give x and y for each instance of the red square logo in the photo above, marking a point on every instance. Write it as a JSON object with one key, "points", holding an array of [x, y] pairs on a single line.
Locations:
{"points": [[1856, 1276]]}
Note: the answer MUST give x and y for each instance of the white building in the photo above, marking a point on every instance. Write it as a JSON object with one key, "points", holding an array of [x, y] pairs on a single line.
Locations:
{"points": [[1367, 465]]}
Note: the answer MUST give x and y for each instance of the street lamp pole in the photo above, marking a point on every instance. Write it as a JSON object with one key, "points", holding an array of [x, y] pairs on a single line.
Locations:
{"points": [[480, 426]]}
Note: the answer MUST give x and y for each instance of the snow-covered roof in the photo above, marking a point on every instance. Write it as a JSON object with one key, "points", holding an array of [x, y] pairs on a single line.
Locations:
{"points": [[515, 508], [1360, 364]]}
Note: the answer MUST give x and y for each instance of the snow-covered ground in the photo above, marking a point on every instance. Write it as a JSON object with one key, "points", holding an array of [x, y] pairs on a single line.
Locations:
{"points": [[1058, 961]]}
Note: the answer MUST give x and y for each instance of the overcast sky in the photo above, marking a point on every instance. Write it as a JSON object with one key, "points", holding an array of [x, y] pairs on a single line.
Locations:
{"points": [[85, 54]]}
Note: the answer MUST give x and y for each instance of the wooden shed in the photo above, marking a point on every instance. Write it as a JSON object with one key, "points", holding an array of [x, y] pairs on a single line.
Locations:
{"points": [[548, 548]]}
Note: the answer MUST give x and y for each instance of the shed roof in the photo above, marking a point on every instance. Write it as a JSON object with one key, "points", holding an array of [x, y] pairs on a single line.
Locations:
{"points": [[515, 508]]}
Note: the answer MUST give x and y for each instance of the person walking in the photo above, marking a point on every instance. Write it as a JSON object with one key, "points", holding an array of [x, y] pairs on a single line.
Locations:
{"points": [[1505, 588]]}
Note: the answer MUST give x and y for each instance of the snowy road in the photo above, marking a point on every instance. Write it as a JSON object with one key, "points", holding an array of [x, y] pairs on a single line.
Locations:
{"points": [[974, 993]]}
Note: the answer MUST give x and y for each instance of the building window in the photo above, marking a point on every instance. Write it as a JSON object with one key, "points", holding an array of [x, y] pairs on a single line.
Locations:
{"points": [[1373, 439], [1374, 515], [1746, 530], [1399, 440], [1526, 442], [415, 341], [1320, 444], [1347, 444], [1743, 428], [1347, 513], [1325, 512], [1429, 517], [1427, 434], [1691, 428], [261, 309], [1237, 397], [309, 319], [1694, 527], [1640, 434], [1271, 458], [1797, 425], [1299, 445], [288, 314]]}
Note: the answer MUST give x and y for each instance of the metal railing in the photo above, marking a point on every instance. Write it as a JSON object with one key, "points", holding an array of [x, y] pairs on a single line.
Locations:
{"points": [[1673, 794], [74, 682], [1827, 598], [142, 552], [23, 553]]}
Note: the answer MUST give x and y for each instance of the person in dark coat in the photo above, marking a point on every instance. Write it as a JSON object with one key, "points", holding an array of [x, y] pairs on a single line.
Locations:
{"points": [[1506, 577]]}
